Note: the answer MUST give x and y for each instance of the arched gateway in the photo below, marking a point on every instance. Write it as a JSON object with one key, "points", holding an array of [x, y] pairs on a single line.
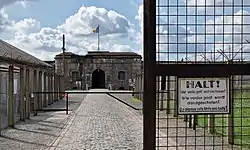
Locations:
{"points": [[98, 79]]}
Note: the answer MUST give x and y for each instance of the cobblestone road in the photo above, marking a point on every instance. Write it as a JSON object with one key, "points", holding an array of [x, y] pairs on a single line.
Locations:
{"points": [[102, 122], [38, 132]]}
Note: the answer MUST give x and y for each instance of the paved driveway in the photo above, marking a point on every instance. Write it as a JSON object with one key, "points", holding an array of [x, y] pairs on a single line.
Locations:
{"points": [[102, 122]]}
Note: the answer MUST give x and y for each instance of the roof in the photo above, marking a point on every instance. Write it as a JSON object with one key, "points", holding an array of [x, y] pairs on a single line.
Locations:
{"points": [[12, 54], [67, 55], [49, 61], [107, 53], [102, 54]]}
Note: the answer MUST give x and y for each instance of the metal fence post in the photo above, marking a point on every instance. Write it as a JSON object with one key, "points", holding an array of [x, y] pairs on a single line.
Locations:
{"points": [[149, 82], [231, 115], [67, 103]]}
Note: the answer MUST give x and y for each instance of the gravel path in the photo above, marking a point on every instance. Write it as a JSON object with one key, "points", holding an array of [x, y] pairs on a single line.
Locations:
{"points": [[102, 123], [38, 132]]}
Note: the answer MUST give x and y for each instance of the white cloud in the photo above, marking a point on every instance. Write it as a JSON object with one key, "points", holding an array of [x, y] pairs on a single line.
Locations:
{"points": [[239, 32], [202, 3], [25, 26], [3, 20], [166, 46], [240, 19], [139, 17], [8, 2], [122, 47], [213, 7], [87, 18], [29, 36]]}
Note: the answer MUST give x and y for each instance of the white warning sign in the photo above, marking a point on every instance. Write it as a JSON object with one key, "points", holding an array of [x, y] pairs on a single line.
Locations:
{"points": [[203, 95]]}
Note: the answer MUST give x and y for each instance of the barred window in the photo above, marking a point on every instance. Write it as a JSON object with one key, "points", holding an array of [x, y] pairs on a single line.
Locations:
{"points": [[121, 75]]}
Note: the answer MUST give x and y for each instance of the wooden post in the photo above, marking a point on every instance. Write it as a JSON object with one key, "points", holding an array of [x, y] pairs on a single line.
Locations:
{"points": [[52, 88], [136, 87], [55, 87], [139, 87], [27, 94], [157, 92], [211, 124], [40, 88], [45, 104], [175, 97], [163, 89], [35, 89], [168, 96], [49, 88], [22, 93], [11, 97]]}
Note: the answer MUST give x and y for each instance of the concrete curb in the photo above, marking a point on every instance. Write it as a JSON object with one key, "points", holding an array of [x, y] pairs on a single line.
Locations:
{"points": [[123, 102]]}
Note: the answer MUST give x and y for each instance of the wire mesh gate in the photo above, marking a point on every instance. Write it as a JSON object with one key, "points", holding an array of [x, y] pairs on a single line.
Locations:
{"points": [[196, 41]]}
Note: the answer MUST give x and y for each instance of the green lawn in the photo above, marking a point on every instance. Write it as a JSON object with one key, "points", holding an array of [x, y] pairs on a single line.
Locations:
{"points": [[241, 110], [135, 101], [242, 117]]}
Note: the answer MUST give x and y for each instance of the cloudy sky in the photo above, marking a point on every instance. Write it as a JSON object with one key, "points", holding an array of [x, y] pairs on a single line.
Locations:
{"points": [[37, 26]]}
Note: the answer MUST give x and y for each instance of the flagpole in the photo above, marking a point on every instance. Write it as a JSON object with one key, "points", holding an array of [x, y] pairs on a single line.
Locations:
{"points": [[98, 38]]}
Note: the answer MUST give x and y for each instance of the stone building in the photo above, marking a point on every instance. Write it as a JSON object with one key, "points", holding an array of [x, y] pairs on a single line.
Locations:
{"points": [[99, 69]]}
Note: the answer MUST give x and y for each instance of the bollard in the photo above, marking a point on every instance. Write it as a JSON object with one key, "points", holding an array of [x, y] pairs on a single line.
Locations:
{"points": [[67, 104]]}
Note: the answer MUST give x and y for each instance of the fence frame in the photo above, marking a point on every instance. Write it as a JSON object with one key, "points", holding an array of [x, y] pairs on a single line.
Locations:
{"points": [[153, 69]]}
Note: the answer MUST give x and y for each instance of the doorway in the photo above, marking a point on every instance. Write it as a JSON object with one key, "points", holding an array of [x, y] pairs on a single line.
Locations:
{"points": [[98, 79]]}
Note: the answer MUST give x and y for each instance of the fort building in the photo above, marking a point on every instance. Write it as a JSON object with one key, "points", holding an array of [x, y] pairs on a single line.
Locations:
{"points": [[99, 69]]}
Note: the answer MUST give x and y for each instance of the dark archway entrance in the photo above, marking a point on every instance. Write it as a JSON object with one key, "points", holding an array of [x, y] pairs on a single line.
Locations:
{"points": [[98, 79]]}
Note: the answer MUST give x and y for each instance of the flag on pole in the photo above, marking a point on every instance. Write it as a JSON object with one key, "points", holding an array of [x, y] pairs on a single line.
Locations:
{"points": [[96, 30]]}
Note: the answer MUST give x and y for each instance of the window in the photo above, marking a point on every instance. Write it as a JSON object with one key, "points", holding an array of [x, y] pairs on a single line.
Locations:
{"points": [[108, 77], [121, 75], [88, 77], [75, 75]]}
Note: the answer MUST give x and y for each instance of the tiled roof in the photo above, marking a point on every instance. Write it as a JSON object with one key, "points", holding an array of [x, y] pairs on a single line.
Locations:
{"points": [[10, 53]]}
